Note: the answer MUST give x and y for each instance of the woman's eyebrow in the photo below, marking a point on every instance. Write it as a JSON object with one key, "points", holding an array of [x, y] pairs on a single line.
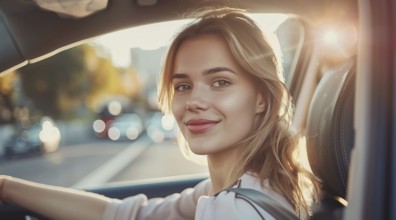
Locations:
{"points": [[218, 69], [205, 72], [179, 76]]}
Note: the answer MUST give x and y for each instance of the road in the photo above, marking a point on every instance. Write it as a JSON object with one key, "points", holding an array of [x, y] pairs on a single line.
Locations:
{"points": [[97, 162]]}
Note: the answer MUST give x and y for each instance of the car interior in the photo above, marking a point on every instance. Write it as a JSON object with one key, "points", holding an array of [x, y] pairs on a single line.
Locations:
{"points": [[330, 137], [327, 121]]}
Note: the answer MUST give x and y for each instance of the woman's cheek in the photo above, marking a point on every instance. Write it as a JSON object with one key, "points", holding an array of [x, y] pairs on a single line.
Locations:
{"points": [[178, 107], [233, 101]]}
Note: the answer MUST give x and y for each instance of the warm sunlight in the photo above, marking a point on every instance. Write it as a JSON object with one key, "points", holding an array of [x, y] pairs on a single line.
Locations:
{"points": [[146, 37]]}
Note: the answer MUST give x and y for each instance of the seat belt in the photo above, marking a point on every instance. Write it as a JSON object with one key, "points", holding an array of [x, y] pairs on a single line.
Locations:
{"points": [[265, 202]]}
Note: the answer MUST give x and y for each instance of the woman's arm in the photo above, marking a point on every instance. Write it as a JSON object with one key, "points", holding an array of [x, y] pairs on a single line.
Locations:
{"points": [[51, 201]]}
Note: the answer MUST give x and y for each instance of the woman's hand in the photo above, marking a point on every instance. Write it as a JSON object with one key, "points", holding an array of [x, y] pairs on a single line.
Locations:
{"points": [[52, 201], [3, 179]]}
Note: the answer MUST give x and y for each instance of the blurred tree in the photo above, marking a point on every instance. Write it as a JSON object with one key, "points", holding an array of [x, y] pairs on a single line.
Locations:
{"points": [[70, 83], [49, 80], [108, 82], [6, 95]]}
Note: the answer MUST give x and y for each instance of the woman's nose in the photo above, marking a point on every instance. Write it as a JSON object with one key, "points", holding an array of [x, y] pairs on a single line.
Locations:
{"points": [[197, 101], [196, 105]]}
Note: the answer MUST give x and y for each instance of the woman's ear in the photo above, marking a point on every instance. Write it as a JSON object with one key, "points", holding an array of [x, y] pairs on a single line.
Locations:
{"points": [[260, 104]]}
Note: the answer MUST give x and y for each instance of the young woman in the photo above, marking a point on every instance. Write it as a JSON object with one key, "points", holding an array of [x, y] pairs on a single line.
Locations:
{"points": [[222, 80]]}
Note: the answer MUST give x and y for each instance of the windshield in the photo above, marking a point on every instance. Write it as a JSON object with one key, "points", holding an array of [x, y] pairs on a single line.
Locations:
{"points": [[101, 99]]}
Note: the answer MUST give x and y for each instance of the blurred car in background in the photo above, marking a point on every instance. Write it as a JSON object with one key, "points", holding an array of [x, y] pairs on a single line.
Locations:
{"points": [[126, 127], [105, 117], [40, 137], [160, 127]]}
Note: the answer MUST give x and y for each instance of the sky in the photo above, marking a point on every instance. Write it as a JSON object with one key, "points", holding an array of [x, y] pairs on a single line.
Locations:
{"points": [[153, 36]]}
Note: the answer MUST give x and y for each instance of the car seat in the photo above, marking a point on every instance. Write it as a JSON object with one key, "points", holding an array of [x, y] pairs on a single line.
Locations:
{"points": [[330, 137]]}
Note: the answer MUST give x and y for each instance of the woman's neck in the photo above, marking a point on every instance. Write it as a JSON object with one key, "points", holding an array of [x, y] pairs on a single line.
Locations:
{"points": [[220, 167]]}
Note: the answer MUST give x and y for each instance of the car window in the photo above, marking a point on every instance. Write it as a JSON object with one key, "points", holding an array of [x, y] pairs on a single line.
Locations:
{"points": [[88, 115]]}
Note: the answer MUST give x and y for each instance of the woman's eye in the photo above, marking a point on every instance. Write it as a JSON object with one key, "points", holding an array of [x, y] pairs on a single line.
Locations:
{"points": [[182, 87], [221, 83]]}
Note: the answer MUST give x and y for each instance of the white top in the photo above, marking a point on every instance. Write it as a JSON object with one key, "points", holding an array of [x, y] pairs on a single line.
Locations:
{"points": [[194, 203]]}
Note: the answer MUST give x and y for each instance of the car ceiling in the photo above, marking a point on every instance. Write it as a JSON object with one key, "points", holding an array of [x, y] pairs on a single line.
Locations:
{"points": [[29, 33]]}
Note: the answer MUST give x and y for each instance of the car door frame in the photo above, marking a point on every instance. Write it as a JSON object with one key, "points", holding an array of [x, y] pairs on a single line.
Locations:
{"points": [[371, 193]]}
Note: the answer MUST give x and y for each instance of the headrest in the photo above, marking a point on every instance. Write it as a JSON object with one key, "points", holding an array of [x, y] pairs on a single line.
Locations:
{"points": [[330, 133]]}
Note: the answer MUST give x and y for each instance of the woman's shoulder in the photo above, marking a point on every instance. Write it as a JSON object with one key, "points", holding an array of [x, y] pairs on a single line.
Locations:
{"points": [[251, 181], [226, 205]]}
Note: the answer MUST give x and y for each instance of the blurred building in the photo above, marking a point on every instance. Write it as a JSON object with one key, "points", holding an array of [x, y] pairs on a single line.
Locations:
{"points": [[148, 65]]}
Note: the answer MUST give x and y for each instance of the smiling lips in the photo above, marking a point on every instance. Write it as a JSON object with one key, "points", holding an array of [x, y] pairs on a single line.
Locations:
{"points": [[197, 126]]}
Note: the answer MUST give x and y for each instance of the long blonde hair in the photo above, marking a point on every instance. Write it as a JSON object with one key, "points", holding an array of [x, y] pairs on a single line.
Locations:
{"points": [[270, 150]]}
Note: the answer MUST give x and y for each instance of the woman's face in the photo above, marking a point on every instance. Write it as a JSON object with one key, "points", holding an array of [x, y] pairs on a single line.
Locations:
{"points": [[215, 103]]}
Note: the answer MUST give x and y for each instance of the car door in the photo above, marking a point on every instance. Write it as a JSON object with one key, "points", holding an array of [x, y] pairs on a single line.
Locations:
{"points": [[372, 176]]}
